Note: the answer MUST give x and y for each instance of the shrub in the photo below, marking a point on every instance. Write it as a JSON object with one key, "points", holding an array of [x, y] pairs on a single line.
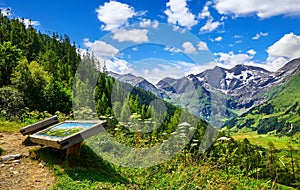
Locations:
{"points": [[11, 103]]}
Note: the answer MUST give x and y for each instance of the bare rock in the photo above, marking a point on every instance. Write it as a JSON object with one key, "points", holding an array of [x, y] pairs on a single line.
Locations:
{"points": [[11, 157]]}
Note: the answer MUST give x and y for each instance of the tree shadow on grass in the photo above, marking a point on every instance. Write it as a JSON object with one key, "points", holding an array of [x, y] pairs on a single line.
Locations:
{"points": [[89, 166]]}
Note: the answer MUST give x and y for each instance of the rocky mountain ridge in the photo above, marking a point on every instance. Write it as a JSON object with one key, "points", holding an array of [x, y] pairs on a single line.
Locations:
{"points": [[218, 93]]}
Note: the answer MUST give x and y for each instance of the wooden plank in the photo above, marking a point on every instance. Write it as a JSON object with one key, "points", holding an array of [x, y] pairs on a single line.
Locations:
{"points": [[33, 128], [44, 141], [74, 149]]}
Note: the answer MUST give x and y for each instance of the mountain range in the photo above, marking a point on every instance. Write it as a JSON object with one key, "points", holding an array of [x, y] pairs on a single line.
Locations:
{"points": [[219, 94]]}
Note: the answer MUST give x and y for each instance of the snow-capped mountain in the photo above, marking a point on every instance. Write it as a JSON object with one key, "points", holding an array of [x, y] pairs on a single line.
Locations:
{"points": [[218, 93]]}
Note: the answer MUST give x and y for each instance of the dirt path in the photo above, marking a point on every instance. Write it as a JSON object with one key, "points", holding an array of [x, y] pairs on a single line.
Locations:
{"points": [[23, 173]]}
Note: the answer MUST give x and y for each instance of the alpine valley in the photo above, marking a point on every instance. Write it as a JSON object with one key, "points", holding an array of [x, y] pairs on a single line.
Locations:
{"points": [[220, 93]]}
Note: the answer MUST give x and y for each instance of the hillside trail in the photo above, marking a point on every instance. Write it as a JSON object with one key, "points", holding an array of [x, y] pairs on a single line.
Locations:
{"points": [[23, 173]]}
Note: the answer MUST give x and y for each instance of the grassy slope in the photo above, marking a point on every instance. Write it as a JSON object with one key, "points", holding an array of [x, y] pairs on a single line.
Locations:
{"points": [[263, 139], [284, 105], [92, 172], [8, 126]]}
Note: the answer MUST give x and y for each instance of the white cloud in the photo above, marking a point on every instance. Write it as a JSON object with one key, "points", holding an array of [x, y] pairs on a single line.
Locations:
{"points": [[231, 59], [81, 52], [188, 48], [275, 63], [282, 51], [155, 24], [258, 35], [288, 46], [263, 9], [114, 14], [192, 68], [6, 11], [218, 39], [224, 18], [101, 49], [204, 13], [118, 66], [237, 36], [251, 52], [133, 35], [210, 26], [173, 69], [179, 14], [27, 22], [202, 46], [146, 23], [172, 49]]}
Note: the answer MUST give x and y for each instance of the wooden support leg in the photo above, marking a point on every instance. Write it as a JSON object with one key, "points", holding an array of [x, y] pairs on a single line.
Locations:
{"points": [[74, 149]]}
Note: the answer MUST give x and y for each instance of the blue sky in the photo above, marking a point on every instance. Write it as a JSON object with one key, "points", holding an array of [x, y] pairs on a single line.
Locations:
{"points": [[180, 33]]}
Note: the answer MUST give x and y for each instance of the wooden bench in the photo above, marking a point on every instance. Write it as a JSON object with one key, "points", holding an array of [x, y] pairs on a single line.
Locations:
{"points": [[33, 128]]}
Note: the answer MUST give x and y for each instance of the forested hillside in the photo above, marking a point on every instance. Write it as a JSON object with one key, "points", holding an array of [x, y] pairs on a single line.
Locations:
{"points": [[37, 74], [36, 70]]}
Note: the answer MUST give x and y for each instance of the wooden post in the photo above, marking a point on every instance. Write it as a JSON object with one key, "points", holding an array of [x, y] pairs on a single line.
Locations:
{"points": [[74, 149]]}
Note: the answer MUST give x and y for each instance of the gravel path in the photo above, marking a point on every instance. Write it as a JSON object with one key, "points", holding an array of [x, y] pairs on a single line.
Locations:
{"points": [[22, 173]]}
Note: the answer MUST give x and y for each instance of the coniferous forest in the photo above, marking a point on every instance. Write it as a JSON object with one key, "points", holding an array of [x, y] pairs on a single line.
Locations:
{"points": [[37, 74]]}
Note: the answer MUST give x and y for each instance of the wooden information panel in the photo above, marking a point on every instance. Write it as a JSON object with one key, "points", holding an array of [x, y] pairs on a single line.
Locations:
{"points": [[67, 134]]}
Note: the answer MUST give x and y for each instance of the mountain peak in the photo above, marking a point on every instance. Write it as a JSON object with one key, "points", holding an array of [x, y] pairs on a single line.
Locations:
{"points": [[239, 68], [291, 67]]}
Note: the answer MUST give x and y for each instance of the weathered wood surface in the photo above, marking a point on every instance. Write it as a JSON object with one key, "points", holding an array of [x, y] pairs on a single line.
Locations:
{"points": [[33, 128], [69, 141], [74, 149]]}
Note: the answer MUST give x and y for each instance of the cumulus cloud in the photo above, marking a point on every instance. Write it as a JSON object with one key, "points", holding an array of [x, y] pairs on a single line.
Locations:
{"points": [[251, 52], [218, 39], [284, 50], [101, 50], [288, 46], [146, 23], [210, 26], [27, 22], [162, 69], [192, 68], [81, 52], [202, 46], [188, 48], [204, 13], [258, 35], [231, 59], [132, 35], [6, 11], [263, 9], [114, 14], [179, 14], [275, 63], [120, 66]]}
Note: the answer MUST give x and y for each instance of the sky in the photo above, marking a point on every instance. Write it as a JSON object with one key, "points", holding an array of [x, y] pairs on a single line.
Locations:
{"points": [[161, 38]]}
